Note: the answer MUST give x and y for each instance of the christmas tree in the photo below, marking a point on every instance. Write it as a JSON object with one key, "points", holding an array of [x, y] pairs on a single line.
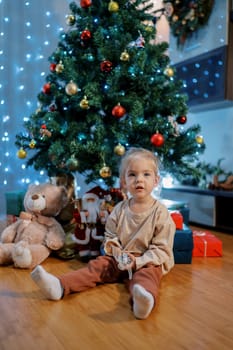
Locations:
{"points": [[110, 87]]}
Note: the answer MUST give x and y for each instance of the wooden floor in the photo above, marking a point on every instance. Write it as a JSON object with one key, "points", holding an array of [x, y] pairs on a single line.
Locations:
{"points": [[194, 312]]}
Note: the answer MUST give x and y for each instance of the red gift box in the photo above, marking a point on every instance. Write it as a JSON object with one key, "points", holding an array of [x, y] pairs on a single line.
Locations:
{"points": [[206, 244], [178, 219]]}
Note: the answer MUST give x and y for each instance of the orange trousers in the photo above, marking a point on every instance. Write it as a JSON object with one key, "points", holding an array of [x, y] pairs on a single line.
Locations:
{"points": [[104, 269]]}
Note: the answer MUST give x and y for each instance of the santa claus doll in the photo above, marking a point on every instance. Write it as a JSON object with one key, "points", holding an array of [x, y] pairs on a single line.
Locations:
{"points": [[90, 222]]}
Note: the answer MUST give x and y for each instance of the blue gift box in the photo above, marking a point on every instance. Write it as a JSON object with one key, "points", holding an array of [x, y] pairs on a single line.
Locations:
{"points": [[183, 246]]}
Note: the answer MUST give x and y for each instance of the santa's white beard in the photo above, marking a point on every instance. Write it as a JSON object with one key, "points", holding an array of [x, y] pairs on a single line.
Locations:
{"points": [[93, 211]]}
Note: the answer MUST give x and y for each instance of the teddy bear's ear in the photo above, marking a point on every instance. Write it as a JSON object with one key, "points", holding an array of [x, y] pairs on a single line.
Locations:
{"points": [[31, 186]]}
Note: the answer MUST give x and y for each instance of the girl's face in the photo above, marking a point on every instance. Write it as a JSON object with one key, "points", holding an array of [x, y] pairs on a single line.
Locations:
{"points": [[140, 178]]}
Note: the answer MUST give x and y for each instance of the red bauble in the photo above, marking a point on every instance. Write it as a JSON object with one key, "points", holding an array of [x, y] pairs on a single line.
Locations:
{"points": [[106, 66], [52, 67], [118, 111], [157, 139], [85, 35], [85, 3], [47, 89], [182, 119]]}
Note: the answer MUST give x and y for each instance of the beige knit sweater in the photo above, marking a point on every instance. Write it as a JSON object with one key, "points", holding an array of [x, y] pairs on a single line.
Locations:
{"points": [[149, 234]]}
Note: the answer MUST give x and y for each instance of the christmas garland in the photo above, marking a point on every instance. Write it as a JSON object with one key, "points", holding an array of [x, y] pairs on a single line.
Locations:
{"points": [[186, 17]]}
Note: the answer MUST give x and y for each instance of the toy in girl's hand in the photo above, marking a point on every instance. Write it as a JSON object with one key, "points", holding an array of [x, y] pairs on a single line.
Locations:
{"points": [[30, 240], [124, 262]]}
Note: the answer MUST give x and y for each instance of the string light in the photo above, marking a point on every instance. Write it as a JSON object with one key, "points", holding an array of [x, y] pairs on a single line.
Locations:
{"points": [[25, 46]]}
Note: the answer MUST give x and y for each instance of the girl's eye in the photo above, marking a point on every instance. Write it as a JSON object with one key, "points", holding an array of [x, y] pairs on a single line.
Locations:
{"points": [[131, 174], [147, 174]]}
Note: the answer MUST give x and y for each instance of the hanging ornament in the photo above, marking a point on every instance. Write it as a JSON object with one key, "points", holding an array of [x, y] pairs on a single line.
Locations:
{"points": [[47, 88], [70, 20], [84, 104], [124, 56], [21, 154], [105, 172], [139, 42], [32, 144], [169, 72], [85, 3], [157, 139], [199, 139], [71, 88], [85, 35], [72, 163], [149, 28], [59, 67], [52, 67], [106, 66], [182, 119], [44, 131], [119, 150], [53, 107], [118, 111], [113, 6], [174, 125]]}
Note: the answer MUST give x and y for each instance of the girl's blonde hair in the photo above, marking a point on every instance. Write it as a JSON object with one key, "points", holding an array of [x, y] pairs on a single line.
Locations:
{"points": [[134, 153]]}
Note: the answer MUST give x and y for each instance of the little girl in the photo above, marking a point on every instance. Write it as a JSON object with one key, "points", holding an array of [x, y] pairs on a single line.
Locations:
{"points": [[138, 242]]}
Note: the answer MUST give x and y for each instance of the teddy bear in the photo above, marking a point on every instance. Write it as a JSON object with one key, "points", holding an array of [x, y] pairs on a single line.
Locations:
{"points": [[30, 240]]}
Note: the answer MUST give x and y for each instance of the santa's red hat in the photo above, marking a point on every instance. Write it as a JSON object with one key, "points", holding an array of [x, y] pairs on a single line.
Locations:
{"points": [[95, 193]]}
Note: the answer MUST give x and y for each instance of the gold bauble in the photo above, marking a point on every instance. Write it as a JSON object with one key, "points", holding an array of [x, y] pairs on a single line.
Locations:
{"points": [[200, 139], [59, 67], [70, 20], [169, 72], [149, 29], [113, 6], [84, 104], [71, 88], [119, 150], [105, 172], [32, 144], [21, 153], [124, 56]]}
